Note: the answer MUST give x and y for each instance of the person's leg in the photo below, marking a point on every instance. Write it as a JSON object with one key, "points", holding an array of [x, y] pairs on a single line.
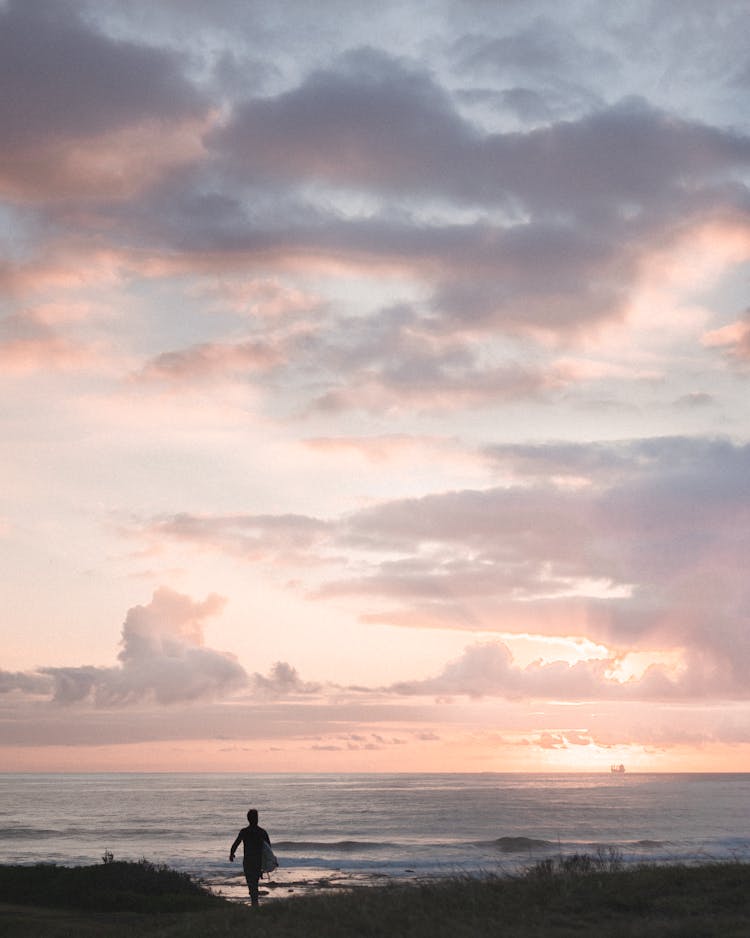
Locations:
{"points": [[252, 876]]}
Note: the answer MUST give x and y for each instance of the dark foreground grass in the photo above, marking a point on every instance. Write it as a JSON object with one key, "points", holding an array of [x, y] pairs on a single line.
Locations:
{"points": [[710, 901]]}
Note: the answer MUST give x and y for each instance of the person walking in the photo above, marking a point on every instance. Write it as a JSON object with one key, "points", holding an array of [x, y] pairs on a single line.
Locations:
{"points": [[252, 839]]}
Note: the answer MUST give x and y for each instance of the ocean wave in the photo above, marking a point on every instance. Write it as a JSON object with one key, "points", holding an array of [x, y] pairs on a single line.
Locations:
{"points": [[143, 833], [150, 832], [502, 844], [21, 833], [514, 844], [343, 846]]}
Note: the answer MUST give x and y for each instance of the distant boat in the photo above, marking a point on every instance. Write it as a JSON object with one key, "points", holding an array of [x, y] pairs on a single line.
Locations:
{"points": [[617, 769]]}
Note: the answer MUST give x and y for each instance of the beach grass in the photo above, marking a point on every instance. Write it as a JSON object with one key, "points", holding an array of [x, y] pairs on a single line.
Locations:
{"points": [[557, 900]]}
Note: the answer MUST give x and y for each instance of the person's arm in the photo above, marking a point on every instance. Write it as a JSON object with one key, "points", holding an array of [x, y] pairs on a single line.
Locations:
{"points": [[266, 837], [234, 847]]}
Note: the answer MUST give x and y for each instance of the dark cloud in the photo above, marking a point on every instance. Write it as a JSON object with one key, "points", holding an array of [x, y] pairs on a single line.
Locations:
{"points": [[565, 216], [62, 78], [370, 122], [234, 73], [378, 123], [557, 223], [87, 115]]}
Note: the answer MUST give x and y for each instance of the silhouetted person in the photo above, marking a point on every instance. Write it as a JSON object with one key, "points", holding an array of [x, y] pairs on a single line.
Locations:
{"points": [[251, 838]]}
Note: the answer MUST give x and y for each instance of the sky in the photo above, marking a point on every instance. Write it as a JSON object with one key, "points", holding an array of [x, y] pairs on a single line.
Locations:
{"points": [[374, 385]]}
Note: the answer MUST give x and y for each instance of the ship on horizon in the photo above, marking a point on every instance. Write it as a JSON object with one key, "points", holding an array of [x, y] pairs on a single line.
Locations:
{"points": [[617, 769]]}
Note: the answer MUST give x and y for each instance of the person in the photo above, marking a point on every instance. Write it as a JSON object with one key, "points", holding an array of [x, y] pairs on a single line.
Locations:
{"points": [[251, 838]]}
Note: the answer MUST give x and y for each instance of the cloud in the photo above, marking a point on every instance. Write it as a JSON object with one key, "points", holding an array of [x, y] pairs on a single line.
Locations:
{"points": [[64, 78], [29, 344], [67, 86], [631, 543], [542, 233], [394, 359], [282, 681], [695, 399], [527, 236], [733, 340], [487, 670], [27, 683], [210, 359], [332, 127], [543, 51], [266, 297], [431, 385], [290, 230], [163, 659], [625, 489], [387, 448], [253, 537]]}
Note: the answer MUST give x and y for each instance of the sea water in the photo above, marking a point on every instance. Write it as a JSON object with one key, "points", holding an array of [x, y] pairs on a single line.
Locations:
{"points": [[343, 829]]}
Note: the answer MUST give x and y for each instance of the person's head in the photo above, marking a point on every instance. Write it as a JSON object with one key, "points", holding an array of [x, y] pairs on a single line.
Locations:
{"points": [[252, 817]]}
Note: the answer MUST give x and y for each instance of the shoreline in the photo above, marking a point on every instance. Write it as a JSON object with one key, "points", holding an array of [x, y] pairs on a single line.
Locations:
{"points": [[299, 882], [296, 883]]}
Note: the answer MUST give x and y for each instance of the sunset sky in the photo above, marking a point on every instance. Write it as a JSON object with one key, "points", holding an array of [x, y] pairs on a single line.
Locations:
{"points": [[374, 385]]}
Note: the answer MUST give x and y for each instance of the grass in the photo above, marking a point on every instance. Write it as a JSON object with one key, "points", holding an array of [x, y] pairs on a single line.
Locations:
{"points": [[583, 897]]}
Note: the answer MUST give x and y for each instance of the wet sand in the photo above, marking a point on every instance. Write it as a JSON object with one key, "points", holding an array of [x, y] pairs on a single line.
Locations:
{"points": [[288, 883]]}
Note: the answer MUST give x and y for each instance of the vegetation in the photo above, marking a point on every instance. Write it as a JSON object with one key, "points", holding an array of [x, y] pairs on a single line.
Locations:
{"points": [[111, 887], [586, 897]]}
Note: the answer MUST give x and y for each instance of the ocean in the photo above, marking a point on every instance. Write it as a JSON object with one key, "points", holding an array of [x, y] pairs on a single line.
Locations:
{"points": [[339, 830]]}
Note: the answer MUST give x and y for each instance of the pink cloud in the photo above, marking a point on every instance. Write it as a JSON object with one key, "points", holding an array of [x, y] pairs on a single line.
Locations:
{"points": [[733, 340], [28, 344], [265, 297], [390, 448], [121, 163], [208, 360], [163, 659], [294, 538], [439, 388], [487, 670]]}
